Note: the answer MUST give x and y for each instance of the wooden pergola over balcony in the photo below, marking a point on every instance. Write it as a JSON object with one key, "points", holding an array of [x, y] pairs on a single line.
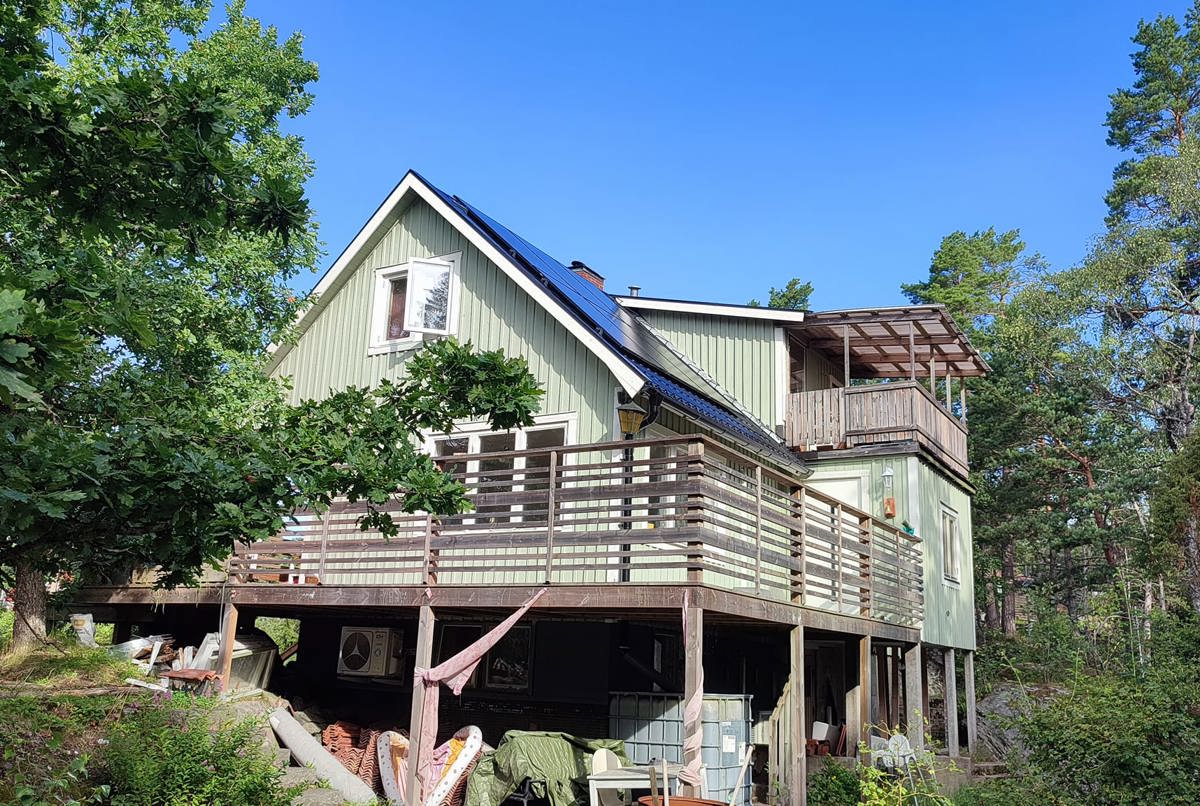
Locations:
{"points": [[669, 514], [916, 354]]}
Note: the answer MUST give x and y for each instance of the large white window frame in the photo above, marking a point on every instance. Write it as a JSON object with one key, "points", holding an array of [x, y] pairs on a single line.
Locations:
{"points": [[950, 528], [419, 274], [474, 432]]}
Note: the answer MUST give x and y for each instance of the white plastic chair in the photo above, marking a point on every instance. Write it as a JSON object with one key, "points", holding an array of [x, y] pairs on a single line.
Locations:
{"points": [[604, 760]]}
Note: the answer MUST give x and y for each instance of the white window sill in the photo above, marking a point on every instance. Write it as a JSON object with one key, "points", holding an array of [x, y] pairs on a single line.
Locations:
{"points": [[398, 346], [951, 583]]}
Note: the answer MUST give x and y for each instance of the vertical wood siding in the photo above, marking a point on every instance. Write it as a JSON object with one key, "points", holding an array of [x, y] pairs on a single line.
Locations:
{"points": [[493, 313], [817, 371], [738, 353], [949, 607]]}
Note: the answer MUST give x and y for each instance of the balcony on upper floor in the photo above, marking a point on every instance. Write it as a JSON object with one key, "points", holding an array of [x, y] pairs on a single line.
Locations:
{"points": [[873, 414], [871, 377]]}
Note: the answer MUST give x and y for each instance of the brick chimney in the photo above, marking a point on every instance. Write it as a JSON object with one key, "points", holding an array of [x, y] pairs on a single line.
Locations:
{"points": [[588, 273]]}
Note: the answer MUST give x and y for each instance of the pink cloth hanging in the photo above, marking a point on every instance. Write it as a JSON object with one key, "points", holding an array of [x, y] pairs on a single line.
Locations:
{"points": [[455, 673], [694, 736]]}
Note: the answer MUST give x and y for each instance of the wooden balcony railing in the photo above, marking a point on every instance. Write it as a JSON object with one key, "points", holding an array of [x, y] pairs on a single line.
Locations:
{"points": [[874, 413], [681, 510]]}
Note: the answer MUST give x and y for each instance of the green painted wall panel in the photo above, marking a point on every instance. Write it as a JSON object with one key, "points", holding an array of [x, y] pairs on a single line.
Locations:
{"points": [[919, 489], [950, 606], [738, 353], [493, 313]]}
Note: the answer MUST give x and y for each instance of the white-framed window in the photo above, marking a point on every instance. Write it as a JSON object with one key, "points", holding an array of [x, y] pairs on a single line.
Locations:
{"points": [[413, 300], [951, 540], [505, 473]]}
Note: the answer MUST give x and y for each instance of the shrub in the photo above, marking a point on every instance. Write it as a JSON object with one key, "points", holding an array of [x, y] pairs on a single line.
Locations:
{"points": [[167, 753], [1124, 738], [44, 755], [1021, 790], [833, 785]]}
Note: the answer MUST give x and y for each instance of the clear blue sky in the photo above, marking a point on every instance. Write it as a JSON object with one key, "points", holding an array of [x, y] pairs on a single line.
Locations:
{"points": [[712, 150]]}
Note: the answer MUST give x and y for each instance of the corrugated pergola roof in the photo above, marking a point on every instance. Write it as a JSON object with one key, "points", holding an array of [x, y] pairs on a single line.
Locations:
{"points": [[892, 342]]}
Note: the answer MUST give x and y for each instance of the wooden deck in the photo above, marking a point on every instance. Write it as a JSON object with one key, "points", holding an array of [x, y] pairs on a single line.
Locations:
{"points": [[853, 416], [682, 512]]}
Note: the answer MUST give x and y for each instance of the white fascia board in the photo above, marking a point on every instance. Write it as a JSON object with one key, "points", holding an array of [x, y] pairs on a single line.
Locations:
{"points": [[629, 379], [783, 376], [710, 309]]}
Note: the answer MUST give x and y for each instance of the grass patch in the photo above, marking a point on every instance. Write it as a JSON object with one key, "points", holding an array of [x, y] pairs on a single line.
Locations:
{"points": [[68, 666], [6, 628]]}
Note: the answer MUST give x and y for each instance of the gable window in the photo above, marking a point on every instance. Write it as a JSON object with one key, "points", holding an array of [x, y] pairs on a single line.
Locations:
{"points": [[412, 301], [950, 544]]}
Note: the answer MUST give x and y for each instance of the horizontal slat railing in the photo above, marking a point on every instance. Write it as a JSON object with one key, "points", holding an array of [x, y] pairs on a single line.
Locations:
{"points": [[677, 510], [872, 413]]}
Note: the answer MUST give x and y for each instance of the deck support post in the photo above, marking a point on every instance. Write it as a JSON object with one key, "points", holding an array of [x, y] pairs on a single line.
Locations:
{"points": [[845, 355], [424, 660], [951, 699], [912, 354], [798, 793], [914, 717], [122, 631], [229, 618], [858, 700], [693, 681], [969, 695]]}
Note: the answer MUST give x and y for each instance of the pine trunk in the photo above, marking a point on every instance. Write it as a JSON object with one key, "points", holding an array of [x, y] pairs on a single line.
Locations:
{"points": [[1008, 573], [991, 618], [1191, 554], [29, 605]]}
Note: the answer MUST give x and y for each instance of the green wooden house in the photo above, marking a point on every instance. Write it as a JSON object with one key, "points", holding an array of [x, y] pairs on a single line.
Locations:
{"points": [[797, 481]]}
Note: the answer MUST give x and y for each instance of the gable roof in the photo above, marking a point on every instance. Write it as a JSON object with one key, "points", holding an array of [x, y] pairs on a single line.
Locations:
{"points": [[631, 350]]}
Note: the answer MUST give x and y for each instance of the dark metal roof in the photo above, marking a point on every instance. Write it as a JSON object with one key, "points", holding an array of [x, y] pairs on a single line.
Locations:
{"points": [[709, 412], [664, 370]]}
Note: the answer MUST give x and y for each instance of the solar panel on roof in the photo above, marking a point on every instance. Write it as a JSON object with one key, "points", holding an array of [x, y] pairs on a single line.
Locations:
{"points": [[621, 325], [664, 370]]}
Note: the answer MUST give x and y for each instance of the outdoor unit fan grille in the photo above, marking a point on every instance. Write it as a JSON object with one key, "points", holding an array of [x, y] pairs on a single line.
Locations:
{"points": [[356, 651], [370, 652]]}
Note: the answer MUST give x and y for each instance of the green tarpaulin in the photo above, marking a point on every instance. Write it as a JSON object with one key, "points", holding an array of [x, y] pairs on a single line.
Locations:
{"points": [[557, 764]]}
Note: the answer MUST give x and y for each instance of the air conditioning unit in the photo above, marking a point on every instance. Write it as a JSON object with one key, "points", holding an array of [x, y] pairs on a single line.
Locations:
{"points": [[370, 652]]}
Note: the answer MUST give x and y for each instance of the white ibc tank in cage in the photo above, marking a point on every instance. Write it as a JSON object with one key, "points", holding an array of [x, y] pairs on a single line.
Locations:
{"points": [[651, 725]]}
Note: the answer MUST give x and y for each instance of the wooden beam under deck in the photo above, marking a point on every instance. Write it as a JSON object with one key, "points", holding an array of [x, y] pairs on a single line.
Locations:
{"points": [[616, 600]]}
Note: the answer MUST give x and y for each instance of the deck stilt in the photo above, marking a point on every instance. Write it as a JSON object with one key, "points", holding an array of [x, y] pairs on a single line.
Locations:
{"points": [[229, 618], [969, 693], [914, 718], [424, 659], [951, 703], [799, 760], [693, 679]]}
